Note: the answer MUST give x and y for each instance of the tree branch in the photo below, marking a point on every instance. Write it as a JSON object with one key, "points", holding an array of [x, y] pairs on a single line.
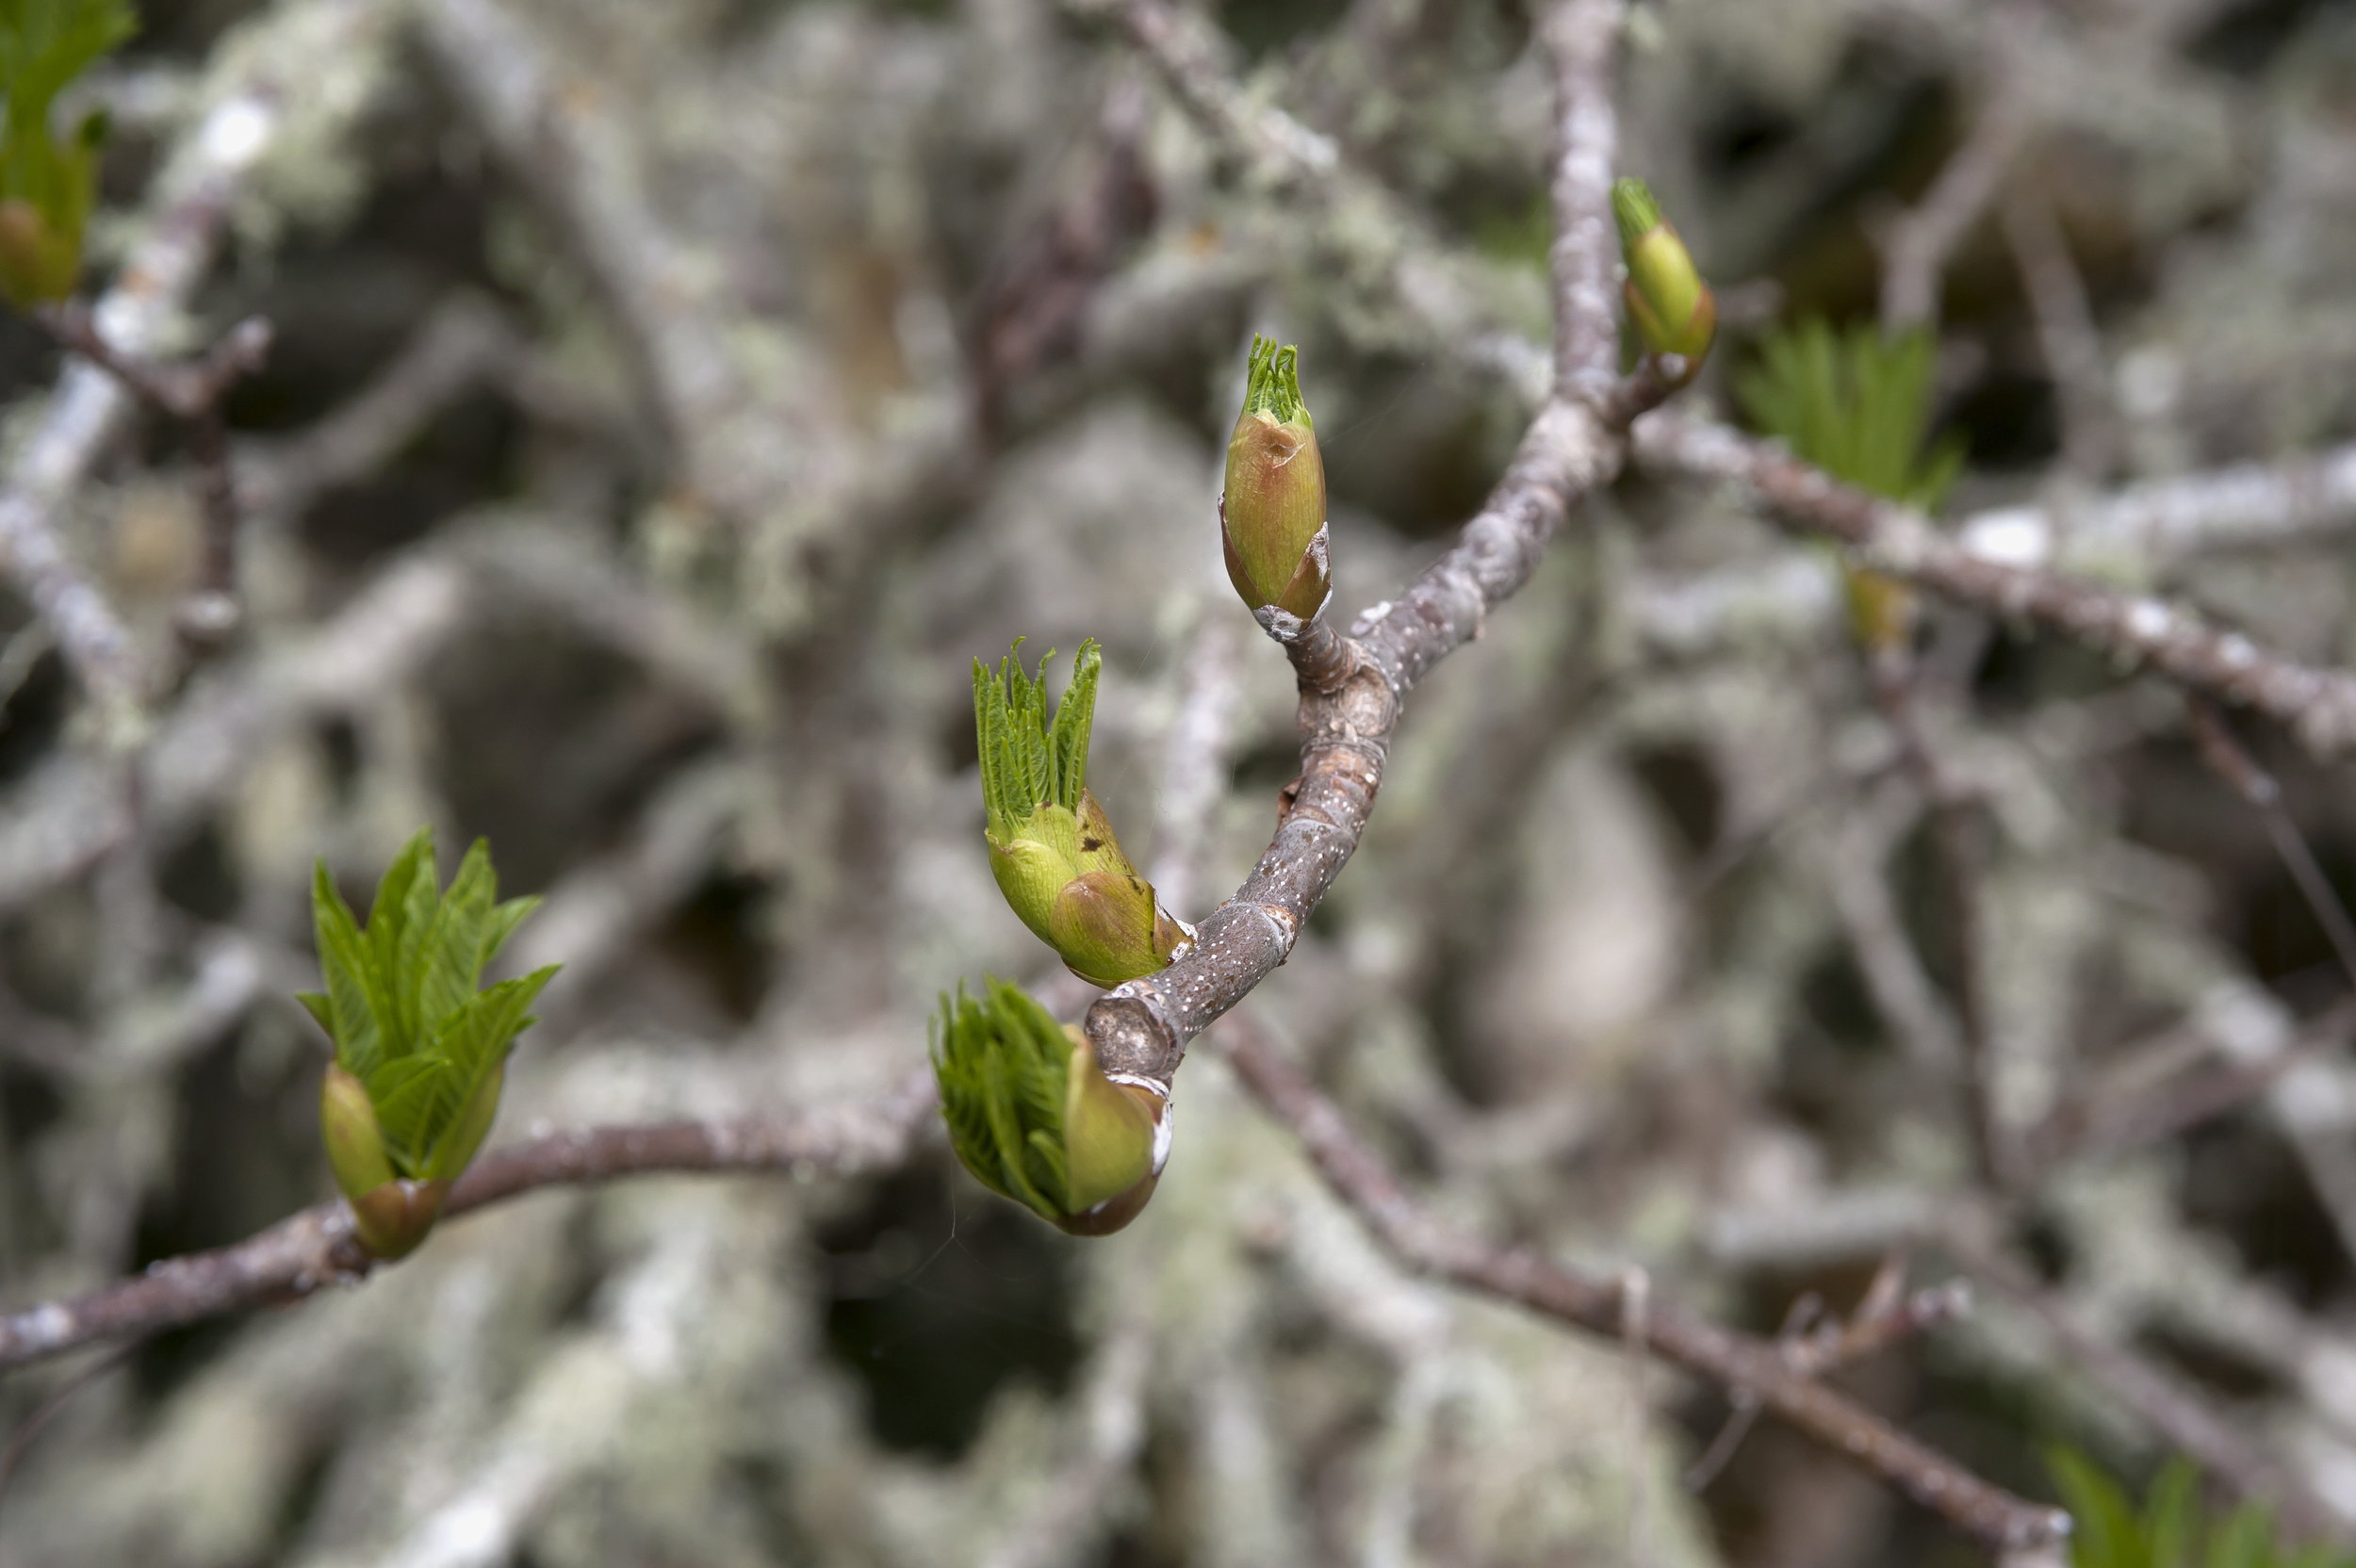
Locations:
{"points": [[2318, 704], [315, 1248], [1990, 1514], [1353, 688]]}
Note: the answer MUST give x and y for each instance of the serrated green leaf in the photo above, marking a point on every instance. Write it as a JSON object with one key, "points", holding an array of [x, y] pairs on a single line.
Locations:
{"points": [[43, 45], [322, 1011], [1856, 405], [475, 1037], [501, 925], [403, 1007], [467, 1129], [2245, 1540], [408, 1094], [356, 1000], [449, 951], [1027, 759], [2171, 1515], [2106, 1534]]}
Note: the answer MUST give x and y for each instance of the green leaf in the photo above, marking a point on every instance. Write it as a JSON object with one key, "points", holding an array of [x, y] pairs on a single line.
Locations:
{"points": [[450, 946], [406, 1094], [356, 998], [2245, 1540], [1001, 1059], [1856, 405], [2171, 1515], [1027, 759], [403, 1007], [407, 883], [501, 925], [322, 1011], [2106, 1534], [43, 45], [476, 1037]]}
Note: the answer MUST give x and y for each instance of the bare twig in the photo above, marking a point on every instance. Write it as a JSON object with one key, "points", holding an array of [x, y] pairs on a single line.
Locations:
{"points": [[315, 1248], [2150, 526], [2230, 761], [193, 391], [2065, 331], [1919, 242], [2318, 704], [1423, 1241], [1894, 677], [28, 1432], [1283, 150], [2100, 1122], [2185, 1423]]}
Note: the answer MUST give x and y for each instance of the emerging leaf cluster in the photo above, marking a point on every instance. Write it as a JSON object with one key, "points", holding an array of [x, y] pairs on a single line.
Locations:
{"points": [[1272, 383], [1027, 759], [401, 1003], [1003, 1062], [2171, 1531], [1855, 403], [43, 45]]}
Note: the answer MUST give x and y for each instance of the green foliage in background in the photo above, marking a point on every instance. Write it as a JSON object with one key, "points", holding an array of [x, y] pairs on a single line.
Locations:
{"points": [[47, 187], [404, 1008], [2172, 1530], [1856, 405]]}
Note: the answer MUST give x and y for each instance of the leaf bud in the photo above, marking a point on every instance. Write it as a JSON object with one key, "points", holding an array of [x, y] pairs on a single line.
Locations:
{"points": [[391, 1215], [1271, 515], [1034, 1118], [1052, 849], [39, 261], [1672, 309]]}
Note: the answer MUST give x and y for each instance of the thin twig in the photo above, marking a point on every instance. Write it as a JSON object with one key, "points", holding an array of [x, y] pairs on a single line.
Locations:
{"points": [[193, 391], [1894, 675], [2262, 792], [29, 1430], [2184, 1421], [2151, 526], [1919, 242], [315, 1248], [2318, 704], [2065, 331], [1422, 1241]]}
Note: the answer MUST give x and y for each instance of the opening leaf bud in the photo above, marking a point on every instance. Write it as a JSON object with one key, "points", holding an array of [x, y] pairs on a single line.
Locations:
{"points": [[1271, 515], [420, 1052], [1034, 1118], [1671, 307], [1052, 848]]}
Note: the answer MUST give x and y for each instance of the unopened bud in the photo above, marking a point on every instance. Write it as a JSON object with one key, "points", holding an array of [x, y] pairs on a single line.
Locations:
{"points": [[390, 1216], [1034, 1118], [1052, 849], [38, 260], [1272, 513], [1673, 310], [356, 1144]]}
